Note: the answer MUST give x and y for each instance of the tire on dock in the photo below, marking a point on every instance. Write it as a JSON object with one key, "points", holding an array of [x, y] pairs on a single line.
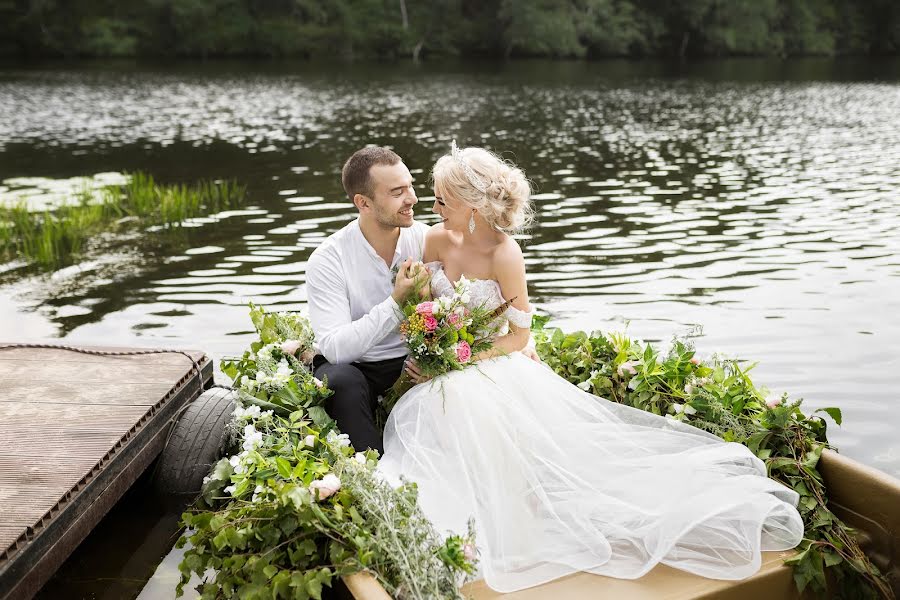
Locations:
{"points": [[194, 446]]}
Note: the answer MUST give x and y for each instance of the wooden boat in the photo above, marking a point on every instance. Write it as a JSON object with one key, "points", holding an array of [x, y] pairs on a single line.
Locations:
{"points": [[863, 497]]}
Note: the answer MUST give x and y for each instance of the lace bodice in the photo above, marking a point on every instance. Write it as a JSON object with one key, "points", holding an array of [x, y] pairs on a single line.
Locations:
{"points": [[482, 292]]}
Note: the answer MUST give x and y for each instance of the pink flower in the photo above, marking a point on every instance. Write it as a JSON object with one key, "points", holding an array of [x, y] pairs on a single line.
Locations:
{"points": [[426, 309], [463, 352], [469, 551], [628, 365], [290, 346], [695, 360], [327, 486], [773, 401], [430, 323], [455, 320]]}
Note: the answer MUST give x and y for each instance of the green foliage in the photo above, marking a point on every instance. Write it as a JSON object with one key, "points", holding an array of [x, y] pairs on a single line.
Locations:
{"points": [[377, 28], [55, 238], [293, 507], [719, 396]]}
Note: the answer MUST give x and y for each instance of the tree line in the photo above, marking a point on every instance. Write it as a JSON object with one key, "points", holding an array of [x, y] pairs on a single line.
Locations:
{"points": [[422, 28]]}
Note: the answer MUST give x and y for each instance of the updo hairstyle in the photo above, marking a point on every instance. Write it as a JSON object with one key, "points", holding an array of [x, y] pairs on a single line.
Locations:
{"points": [[505, 204]]}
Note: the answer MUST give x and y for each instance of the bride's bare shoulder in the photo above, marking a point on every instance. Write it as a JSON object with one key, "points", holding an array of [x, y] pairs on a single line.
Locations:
{"points": [[435, 242], [508, 256]]}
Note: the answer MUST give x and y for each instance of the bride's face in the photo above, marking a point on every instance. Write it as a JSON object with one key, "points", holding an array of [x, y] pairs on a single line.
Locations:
{"points": [[453, 212]]}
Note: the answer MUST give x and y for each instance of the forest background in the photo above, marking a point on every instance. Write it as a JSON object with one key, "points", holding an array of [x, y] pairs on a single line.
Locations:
{"points": [[417, 29]]}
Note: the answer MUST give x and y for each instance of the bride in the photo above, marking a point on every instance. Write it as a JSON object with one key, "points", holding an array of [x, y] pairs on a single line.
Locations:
{"points": [[558, 480]]}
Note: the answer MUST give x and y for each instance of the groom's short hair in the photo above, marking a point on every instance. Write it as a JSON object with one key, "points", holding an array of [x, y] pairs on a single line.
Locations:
{"points": [[356, 175]]}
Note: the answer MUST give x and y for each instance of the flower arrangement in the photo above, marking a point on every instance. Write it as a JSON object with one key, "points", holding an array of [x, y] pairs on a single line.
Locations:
{"points": [[717, 395], [292, 506], [443, 335], [273, 373]]}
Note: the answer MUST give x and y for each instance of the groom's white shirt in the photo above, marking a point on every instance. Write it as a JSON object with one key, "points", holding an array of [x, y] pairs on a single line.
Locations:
{"points": [[349, 287]]}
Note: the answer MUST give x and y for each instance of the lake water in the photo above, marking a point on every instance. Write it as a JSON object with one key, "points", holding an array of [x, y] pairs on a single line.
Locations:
{"points": [[757, 199]]}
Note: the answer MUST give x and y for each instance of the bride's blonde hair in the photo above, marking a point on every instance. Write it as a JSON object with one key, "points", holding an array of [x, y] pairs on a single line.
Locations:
{"points": [[496, 188]]}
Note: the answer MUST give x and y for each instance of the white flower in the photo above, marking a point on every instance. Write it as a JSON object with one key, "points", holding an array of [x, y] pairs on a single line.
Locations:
{"points": [[284, 369], [342, 440], [421, 348], [318, 382], [585, 385], [689, 410], [677, 408], [230, 489], [688, 389], [360, 458], [257, 492], [250, 412], [465, 297], [252, 437], [237, 463], [327, 486], [309, 440], [206, 480]]}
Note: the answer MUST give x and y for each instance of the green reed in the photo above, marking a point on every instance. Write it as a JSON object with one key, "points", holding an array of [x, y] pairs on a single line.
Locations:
{"points": [[55, 238]]}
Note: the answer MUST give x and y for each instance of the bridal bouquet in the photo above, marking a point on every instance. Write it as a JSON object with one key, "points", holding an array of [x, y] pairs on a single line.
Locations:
{"points": [[443, 335]]}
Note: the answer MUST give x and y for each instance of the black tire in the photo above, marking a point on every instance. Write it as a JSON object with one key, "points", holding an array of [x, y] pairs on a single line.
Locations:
{"points": [[195, 445]]}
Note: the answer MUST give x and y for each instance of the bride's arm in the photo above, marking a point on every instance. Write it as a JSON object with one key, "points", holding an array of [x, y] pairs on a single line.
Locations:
{"points": [[509, 266]]}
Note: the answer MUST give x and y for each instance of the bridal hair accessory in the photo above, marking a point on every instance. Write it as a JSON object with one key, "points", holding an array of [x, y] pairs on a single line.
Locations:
{"points": [[472, 223], [474, 179]]}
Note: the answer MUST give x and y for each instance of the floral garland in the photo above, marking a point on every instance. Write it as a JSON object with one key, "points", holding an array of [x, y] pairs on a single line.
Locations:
{"points": [[718, 396], [293, 506]]}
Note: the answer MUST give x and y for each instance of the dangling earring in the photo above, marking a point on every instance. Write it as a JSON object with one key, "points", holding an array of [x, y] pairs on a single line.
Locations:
{"points": [[472, 223]]}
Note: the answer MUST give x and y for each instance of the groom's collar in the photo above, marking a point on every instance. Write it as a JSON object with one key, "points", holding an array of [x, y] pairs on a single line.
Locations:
{"points": [[371, 251]]}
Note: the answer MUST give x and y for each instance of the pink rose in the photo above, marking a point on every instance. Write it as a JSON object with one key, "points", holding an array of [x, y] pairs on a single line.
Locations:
{"points": [[695, 360], [773, 401], [628, 365], [455, 320], [327, 486], [430, 323], [463, 352], [469, 551], [290, 347], [426, 309]]}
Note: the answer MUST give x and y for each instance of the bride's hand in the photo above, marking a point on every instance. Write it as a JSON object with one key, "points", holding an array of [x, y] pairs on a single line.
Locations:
{"points": [[419, 273], [413, 372], [530, 353]]}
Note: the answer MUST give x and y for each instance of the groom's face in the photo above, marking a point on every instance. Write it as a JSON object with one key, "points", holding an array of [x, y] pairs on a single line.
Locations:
{"points": [[393, 196]]}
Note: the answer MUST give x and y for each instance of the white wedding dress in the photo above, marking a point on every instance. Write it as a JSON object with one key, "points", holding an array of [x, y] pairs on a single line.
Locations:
{"points": [[560, 481]]}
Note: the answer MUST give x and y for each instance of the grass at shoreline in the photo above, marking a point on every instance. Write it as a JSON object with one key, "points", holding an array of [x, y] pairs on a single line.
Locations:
{"points": [[56, 238]]}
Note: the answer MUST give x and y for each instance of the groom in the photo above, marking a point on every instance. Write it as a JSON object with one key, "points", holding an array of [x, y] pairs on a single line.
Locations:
{"points": [[353, 304]]}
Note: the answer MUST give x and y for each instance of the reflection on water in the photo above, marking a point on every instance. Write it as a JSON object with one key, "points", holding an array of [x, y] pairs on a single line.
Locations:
{"points": [[756, 199]]}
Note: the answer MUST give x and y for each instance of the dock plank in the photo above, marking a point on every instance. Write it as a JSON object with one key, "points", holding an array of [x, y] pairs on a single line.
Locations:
{"points": [[75, 425]]}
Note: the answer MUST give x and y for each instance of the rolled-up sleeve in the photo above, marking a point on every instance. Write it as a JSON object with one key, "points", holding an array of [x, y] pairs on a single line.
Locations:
{"points": [[339, 338]]}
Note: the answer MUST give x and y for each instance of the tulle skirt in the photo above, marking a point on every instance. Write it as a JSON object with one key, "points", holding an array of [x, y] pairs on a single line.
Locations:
{"points": [[560, 481]]}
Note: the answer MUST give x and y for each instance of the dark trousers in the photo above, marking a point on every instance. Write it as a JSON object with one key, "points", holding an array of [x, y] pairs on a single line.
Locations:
{"points": [[356, 389]]}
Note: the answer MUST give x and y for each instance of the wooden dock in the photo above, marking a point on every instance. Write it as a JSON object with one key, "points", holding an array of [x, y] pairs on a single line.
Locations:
{"points": [[77, 428]]}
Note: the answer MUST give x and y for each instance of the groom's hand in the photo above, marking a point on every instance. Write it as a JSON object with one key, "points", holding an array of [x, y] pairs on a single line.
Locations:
{"points": [[405, 282], [413, 372]]}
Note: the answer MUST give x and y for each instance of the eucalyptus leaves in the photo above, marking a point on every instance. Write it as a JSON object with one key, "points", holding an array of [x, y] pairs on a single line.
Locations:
{"points": [[719, 396]]}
